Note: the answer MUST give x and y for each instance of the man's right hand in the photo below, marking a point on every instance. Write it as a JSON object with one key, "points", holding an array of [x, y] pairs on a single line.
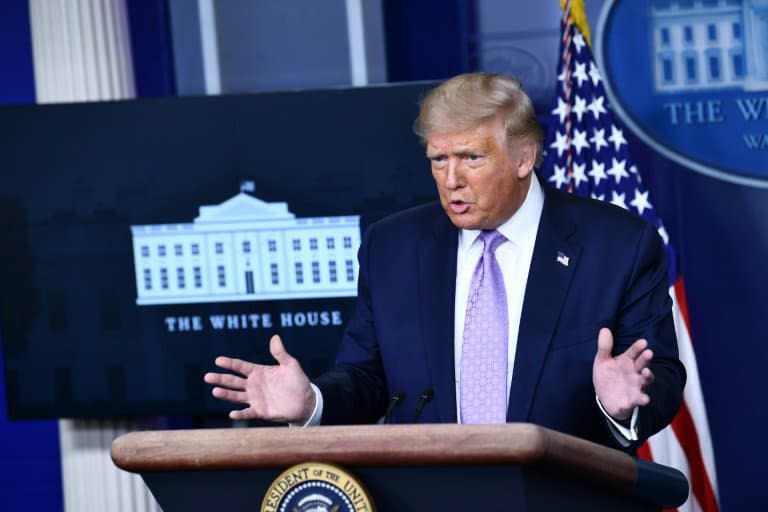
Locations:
{"points": [[280, 393]]}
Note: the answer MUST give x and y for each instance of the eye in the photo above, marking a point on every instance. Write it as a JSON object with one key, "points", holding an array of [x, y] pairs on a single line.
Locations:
{"points": [[438, 161], [474, 159]]}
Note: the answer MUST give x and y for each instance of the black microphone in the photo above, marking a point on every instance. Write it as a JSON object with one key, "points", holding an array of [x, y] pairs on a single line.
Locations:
{"points": [[396, 400], [424, 399]]}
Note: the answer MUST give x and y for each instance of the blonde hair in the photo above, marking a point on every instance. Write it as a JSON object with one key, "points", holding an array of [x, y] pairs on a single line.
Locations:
{"points": [[467, 100]]}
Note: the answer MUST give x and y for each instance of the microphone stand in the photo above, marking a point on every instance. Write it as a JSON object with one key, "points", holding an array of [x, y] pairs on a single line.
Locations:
{"points": [[424, 399]]}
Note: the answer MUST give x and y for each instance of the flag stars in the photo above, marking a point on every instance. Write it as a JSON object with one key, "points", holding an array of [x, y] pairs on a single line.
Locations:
{"points": [[618, 170], [579, 140], [562, 110], [561, 143], [594, 74], [598, 172], [579, 174], [579, 108], [579, 43], [599, 168], [597, 106], [580, 74], [598, 139], [617, 137], [618, 199], [640, 202], [559, 177]]}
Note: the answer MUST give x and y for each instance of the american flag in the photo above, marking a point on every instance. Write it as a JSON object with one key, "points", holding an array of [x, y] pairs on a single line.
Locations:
{"points": [[587, 154]]}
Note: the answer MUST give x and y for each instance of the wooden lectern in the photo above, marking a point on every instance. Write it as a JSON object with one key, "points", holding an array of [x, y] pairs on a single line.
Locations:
{"points": [[517, 466]]}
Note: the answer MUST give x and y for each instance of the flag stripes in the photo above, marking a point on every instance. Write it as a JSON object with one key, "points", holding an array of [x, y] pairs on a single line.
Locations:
{"points": [[586, 153]]}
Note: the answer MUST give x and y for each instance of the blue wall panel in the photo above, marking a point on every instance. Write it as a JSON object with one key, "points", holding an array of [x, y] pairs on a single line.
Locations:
{"points": [[151, 47], [428, 40], [18, 79], [30, 466]]}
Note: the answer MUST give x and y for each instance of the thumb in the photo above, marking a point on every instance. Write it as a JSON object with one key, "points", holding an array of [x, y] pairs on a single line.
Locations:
{"points": [[278, 351], [604, 344]]}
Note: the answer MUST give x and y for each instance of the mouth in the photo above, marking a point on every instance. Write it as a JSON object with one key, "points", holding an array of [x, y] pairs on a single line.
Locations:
{"points": [[459, 206]]}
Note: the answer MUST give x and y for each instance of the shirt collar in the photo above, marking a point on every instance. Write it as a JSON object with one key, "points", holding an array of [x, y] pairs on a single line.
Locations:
{"points": [[521, 227]]}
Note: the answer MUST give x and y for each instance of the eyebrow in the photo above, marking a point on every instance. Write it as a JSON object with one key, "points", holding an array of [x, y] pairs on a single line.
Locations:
{"points": [[461, 151]]}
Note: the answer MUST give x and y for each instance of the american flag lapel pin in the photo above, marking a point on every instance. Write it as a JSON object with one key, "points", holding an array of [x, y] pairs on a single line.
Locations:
{"points": [[562, 258]]}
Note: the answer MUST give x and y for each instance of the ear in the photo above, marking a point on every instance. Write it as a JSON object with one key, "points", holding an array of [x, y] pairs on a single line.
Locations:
{"points": [[526, 159]]}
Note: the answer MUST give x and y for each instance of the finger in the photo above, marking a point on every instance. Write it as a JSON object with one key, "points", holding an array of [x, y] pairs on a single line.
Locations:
{"points": [[242, 414], [223, 362], [643, 399], [647, 376], [235, 365], [604, 344], [643, 359], [212, 378], [277, 349], [226, 380], [230, 395], [636, 349]]}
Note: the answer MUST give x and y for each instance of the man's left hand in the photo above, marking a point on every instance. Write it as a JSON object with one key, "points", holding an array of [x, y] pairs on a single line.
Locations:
{"points": [[620, 381]]}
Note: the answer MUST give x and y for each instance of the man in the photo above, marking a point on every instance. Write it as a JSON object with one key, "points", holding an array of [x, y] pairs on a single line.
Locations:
{"points": [[510, 301]]}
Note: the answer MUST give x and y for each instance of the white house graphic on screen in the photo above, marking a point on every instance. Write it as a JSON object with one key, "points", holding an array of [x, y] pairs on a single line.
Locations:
{"points": [[701, 44], [245, 249]]}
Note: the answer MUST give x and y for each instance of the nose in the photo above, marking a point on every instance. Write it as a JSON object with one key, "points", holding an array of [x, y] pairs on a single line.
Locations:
{"points": [[454, 178]]}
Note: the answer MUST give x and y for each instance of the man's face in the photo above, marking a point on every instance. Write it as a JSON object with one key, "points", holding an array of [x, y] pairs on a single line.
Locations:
{"points": [[480, 180]]}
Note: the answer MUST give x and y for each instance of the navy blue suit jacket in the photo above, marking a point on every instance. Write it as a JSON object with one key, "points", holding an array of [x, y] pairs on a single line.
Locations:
{"points": [[401, 336]]}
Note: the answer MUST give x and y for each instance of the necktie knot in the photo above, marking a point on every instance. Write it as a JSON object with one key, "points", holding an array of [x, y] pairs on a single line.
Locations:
{"points": [[492, 240]]}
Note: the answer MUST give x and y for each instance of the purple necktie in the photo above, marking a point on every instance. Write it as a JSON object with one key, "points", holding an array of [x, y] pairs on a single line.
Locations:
{"points": [[484, 351]]}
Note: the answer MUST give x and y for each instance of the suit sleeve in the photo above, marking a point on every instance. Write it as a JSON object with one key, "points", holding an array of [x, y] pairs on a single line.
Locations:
{"points": [[354, 391], [646, 312]]}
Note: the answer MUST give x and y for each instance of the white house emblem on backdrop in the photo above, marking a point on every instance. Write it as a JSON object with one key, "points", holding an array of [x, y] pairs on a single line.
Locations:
{"points": [[246, 249], [709, 44], [689, 77]]}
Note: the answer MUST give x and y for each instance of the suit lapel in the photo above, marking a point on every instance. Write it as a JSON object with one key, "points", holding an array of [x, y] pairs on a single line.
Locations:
{"points": [[545, 293], [437, 288]]}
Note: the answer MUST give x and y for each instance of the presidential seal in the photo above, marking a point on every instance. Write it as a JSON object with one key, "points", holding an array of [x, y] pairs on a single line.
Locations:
{"points": [[316, 487]]}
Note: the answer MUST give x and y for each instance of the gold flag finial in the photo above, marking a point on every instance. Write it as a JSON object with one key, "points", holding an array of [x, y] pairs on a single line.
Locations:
{"points": [[579, 17]]}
